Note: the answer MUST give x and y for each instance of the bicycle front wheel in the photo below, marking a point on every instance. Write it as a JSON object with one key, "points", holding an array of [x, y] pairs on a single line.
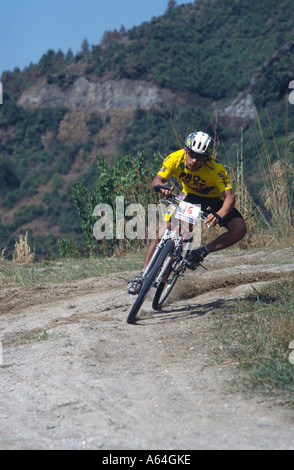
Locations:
{"points": [[149, 281], [165, 288]]}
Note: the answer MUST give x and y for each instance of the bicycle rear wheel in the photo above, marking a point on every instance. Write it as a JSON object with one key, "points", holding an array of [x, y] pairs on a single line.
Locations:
{"points": [[163, 290], [149, 281]]}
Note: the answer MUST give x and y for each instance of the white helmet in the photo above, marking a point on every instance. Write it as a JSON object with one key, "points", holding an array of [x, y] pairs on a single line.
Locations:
{"points": [[199, 142]]}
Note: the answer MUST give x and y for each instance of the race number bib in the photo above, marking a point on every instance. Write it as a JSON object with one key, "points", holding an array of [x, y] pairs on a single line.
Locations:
{"points": [[188, 212]]}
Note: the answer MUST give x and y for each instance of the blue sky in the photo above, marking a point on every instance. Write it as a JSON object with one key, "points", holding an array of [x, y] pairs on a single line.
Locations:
{"points": [[30, 27]]}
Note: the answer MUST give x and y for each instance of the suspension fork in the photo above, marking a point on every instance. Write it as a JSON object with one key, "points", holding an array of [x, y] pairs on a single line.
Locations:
{"points": [[167, 266], [157, 250]]}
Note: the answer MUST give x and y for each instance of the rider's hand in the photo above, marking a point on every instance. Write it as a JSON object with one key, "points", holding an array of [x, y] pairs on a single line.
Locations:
{"points": [[166, 192], [211, 220]]}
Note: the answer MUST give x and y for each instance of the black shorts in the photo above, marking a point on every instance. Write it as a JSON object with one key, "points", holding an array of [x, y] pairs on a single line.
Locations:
{"points": [[215, 203]]}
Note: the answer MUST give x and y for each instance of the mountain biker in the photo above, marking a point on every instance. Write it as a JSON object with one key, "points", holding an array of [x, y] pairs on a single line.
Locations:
{"points": [[206, 182]]}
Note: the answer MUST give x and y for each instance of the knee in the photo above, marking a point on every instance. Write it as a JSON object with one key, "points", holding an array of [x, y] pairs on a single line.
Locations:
{"points": [[238, 229], [162, 230], [242, 229]]}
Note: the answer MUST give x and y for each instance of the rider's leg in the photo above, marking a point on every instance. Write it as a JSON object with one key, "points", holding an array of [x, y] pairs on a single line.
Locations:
{"points": [[236, 231]]}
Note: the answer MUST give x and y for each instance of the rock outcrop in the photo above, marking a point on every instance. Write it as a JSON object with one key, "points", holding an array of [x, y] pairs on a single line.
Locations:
{"points": [[109, 95], [241, 108], [98, 95]]}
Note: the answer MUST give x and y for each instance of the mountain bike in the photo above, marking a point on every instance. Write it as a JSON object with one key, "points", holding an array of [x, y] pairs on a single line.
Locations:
{"points": [[169, 260]]}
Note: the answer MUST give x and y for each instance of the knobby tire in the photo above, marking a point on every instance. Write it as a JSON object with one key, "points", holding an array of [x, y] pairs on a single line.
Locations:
{"points": [[163, 292], [165, 288], [149, 281]]}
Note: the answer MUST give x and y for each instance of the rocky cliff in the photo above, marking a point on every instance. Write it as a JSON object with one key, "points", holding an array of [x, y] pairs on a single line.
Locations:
{"points": [[108, 95], [95, 95]]}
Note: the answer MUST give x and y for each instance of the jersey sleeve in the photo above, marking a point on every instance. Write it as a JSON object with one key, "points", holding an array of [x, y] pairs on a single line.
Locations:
{"points": [[167, 169], [223, 180]]}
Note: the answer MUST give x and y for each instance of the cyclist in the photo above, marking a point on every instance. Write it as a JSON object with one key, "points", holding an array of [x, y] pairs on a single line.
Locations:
{"points": [[206, 182]]}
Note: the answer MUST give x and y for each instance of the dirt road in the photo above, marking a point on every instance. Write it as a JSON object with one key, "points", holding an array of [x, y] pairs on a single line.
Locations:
{"points": [[75, 375]]}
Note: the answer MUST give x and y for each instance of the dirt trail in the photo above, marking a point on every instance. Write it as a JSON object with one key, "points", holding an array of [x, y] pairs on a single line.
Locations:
{"points": [[75, 375]]}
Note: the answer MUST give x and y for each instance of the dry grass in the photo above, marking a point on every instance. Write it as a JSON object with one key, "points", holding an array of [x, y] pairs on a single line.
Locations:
{"points": [[2, 256], [277, 174], [22, 251], [67, 270], [273, 224]]}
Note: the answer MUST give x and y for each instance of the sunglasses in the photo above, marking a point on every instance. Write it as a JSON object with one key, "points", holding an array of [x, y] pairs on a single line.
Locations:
{"points": [[199, 156]]}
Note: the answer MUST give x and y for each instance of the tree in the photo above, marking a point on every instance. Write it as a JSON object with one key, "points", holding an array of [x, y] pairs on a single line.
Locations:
{"points": [[171, 5], [85, 46], [47, 61]]}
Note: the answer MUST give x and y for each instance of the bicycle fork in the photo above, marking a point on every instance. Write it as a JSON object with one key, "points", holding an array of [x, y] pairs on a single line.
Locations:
{"points": [[138, 281], [168, 235], [171, 261]]}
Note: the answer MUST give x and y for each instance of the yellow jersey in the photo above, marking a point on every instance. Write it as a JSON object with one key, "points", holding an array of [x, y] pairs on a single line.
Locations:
{"points": [[209, 181]]}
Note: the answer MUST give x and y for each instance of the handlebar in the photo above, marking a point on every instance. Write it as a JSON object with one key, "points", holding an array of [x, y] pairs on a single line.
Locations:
{"points": [[178, 200]]}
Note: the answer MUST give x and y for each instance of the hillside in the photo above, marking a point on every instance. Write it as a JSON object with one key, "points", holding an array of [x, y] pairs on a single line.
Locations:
{"points": [[208, 64]]}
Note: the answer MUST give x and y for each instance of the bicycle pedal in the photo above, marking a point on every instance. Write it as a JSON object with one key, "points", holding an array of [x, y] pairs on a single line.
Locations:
{"points": [[135, 287]]}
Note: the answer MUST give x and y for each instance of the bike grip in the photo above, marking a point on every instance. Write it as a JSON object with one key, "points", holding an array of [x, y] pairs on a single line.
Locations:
{"points": [[160, 186], [221, 220]]}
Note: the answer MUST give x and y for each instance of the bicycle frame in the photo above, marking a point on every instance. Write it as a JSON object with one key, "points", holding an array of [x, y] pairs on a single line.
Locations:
{"points": [[178, 239]]}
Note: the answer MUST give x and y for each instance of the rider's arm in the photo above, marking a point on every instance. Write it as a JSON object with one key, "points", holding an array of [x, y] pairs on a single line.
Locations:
{"points": [[160, 180], [227, 207]]}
